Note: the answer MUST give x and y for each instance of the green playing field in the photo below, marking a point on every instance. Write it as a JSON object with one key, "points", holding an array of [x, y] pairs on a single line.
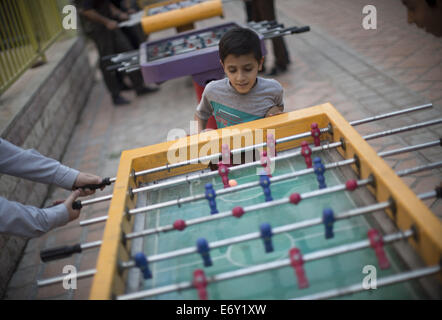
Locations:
{"points": [[323, 274]]}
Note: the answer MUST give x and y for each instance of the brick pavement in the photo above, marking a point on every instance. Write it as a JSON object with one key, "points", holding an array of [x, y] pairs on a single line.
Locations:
{"points": [[361, 72]]}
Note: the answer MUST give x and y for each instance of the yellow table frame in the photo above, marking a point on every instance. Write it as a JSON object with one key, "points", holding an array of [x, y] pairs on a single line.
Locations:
{"points": [[183, 18], [410, 211]]}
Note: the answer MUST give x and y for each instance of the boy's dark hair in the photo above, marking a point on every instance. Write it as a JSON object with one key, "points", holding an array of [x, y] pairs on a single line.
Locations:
{"points": [[240, 41]]}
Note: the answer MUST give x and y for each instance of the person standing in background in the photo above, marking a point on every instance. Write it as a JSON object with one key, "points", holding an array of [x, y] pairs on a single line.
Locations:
{"points": [[100, 20], [260, 10]]}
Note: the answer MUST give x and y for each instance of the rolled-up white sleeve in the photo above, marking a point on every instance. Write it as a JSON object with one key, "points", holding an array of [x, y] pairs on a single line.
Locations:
{"points": [[28, 221]]}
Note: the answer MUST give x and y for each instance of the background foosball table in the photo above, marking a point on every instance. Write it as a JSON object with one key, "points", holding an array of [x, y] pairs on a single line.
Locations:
{"points": [[308, 229], [179, 14], [192, 53]]}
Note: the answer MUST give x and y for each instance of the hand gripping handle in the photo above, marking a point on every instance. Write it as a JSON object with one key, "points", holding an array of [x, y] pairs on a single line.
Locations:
{"points": [[299, 29], [104, 182], [76, 205]]}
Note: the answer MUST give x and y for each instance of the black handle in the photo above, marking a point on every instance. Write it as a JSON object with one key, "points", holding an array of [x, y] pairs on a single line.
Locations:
{"points": [[114, 67], [300, 29], [59, 253], [438, 190], [104, 182], [122, 56], [76, 205]]}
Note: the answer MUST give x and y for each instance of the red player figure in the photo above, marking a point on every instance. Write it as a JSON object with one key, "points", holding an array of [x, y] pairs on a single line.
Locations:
{"points": [[223, 171], [315, 134], [266, 163], [200, 283], [306, 153], [377, 243], [298, 264]]}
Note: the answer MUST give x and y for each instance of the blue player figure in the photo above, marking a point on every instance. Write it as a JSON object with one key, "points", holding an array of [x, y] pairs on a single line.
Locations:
{"points": [[319, 171], [210, 196], [266, 235], [328, 218], [204, 250], [264, 181], [142, 264]]}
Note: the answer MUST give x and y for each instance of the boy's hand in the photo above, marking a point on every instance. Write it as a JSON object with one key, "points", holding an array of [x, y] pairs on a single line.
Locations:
{"points": [[273, 111], [73, 214], [85, 179]]}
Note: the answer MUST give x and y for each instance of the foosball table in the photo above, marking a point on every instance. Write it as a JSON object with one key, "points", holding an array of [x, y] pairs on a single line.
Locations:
{"points": [[292, 206], [179, 14]]}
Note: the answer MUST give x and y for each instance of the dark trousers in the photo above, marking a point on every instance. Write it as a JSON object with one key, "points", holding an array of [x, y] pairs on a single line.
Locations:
{"points": [[110, 42], [265, 10], [135, 35]]}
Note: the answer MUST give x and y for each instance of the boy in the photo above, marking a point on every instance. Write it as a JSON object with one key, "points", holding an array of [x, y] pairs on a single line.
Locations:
{"points": [[242, 96]]}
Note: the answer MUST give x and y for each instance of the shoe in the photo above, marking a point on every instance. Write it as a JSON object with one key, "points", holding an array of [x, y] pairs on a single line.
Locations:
{"points": [[276, 70], [120, 101], [145, 90]]}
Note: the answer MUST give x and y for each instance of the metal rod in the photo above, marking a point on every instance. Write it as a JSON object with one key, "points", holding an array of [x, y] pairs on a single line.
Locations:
{"points": [[121, 56], [254, 184], [96, 200], [79, 275], [305, 195], [247, 209], [428, 195], [207, 175], [402, 129], [257, 235], [220, 243], [410, 148], [424, 167], [391, 114], [218, 155], [259, 206], [385, 281], [267, 266], [278, 141]]}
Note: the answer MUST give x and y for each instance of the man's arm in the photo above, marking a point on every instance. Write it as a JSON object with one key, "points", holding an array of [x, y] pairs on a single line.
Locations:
{"points": [[31, 165], [118, 13], [28, 221], [128, 6], [94, 16]]}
